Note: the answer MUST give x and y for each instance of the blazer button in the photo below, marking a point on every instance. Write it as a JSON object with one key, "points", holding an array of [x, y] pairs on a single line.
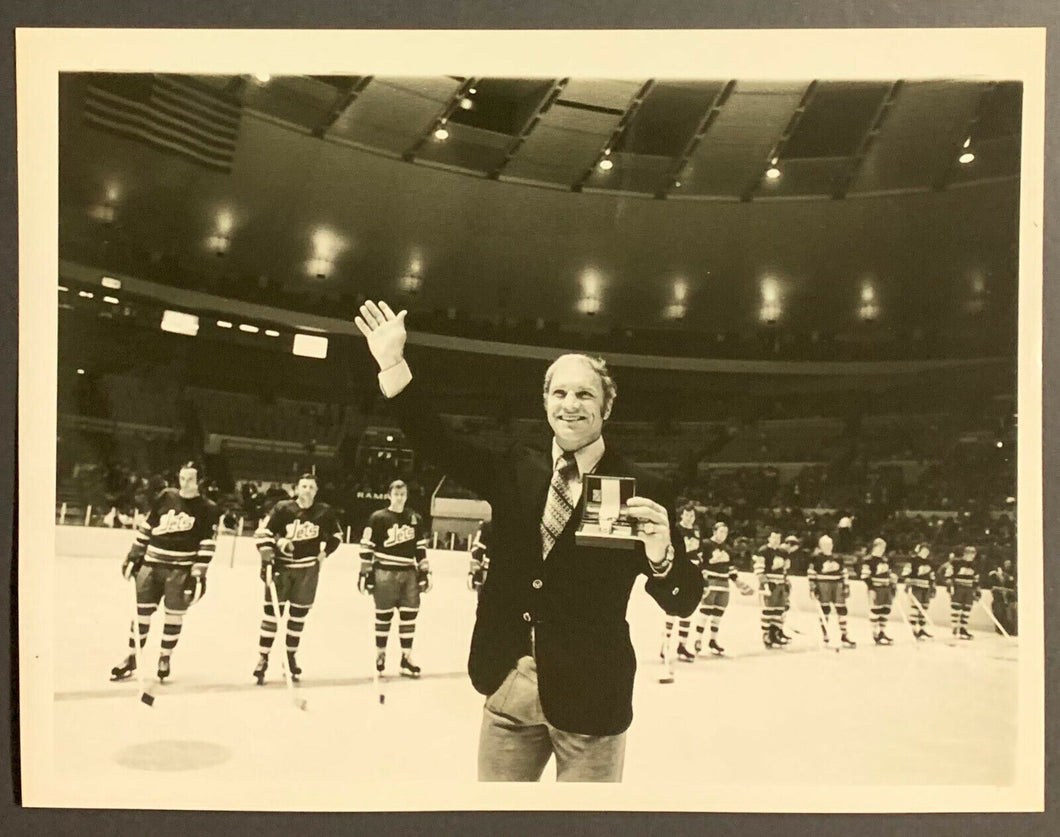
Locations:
{"points": [[526, 617], [538, 583]]}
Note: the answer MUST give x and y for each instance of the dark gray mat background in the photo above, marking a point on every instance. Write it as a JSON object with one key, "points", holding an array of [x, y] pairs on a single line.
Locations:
{"points": [[480, 14]]}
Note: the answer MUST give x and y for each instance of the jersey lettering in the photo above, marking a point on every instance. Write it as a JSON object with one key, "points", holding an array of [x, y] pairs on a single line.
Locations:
{"points": [[174, 521], [399, 534], [303, 530]]}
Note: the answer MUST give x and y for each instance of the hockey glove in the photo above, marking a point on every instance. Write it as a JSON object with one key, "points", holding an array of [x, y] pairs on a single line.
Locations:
{"points": [[195, 585], [366, 579], [133, 561], [978, 594], [268, 559], [423, 576]]}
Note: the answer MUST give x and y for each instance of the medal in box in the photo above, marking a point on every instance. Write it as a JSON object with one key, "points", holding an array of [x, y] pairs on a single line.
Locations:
{"points": [[605, 517]]}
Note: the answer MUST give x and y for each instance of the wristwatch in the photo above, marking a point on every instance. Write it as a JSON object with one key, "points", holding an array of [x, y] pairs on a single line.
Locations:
{"points": [[663, 566]]}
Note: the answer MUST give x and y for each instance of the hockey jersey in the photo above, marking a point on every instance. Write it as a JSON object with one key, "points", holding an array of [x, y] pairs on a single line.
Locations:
{"points": [[179, 531], [825, 567], [718, 568], [771, 565], [692, 542], [306, 528], [395, 540], [918, 572], [963, 574], [876, 572]]}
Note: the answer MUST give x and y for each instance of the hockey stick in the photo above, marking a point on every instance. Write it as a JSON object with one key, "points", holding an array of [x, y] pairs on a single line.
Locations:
{"points": [[668, 653], [281, 630], [826, 642], [993, 618], [905, 618], [146, 697]]}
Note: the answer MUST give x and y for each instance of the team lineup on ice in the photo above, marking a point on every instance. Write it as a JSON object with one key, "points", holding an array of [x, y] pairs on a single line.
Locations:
{"points": [[930, 689]]}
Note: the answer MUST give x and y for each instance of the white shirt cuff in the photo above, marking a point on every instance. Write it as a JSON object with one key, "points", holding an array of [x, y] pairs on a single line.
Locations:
{"points": [[394, 379]]}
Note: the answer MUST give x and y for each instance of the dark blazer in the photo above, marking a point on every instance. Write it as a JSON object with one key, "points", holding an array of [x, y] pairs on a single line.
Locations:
{"points": [[575, 600]]}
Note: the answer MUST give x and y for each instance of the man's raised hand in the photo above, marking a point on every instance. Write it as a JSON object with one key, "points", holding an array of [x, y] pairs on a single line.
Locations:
{"points": [[384, 331]]}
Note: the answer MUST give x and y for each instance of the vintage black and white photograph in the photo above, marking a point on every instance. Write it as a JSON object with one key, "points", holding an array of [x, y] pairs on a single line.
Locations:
{"points": [[652, 421]]}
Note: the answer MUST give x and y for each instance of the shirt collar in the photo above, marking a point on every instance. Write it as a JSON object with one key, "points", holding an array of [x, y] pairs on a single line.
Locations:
{"points": [[587, 457]]}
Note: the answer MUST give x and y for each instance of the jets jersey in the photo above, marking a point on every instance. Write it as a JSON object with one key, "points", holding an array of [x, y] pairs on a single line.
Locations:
{"points": [[718, 568], [307, 529], [825, 567], [692, 542], [876, 572], [179, 531], [964, 575], [771, 565], [395, 540], [918, 572]]}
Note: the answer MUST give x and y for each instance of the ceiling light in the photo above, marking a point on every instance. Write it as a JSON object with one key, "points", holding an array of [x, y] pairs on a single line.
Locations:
{"points": [[223, 324], [262, 78], [466, 103], [249, 329], [472, 90], [271, 332], [86, 294], [110, 282], [967, 142], [63, 288], [967, 157], [80, 371], [441, 133], [112, 300], [605, 165], [773, 173]]}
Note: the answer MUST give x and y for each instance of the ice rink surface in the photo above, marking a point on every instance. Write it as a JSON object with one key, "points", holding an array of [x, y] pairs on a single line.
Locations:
{"points": [[935, 712]]}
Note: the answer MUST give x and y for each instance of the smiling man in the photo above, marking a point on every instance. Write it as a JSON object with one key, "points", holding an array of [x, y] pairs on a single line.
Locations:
{"points": [[550, 649]]}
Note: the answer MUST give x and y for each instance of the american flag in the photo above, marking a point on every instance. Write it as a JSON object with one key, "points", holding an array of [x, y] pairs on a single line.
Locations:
{"points": [[171, 113]]}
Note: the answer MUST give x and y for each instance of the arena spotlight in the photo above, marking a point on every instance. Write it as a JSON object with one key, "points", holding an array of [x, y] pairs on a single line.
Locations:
{"points": [[441, 133], [80, 371], [262, 78], [772, 172], [605, 165], [966, 157], [248, 328], [177, 322], [223, 324], [466, 103], [310, 345], [86, 294], [110, 300], [111, 282], [271, 332]]}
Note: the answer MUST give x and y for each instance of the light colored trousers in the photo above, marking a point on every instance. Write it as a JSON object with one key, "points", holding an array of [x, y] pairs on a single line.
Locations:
{"points": [[516, 741]]}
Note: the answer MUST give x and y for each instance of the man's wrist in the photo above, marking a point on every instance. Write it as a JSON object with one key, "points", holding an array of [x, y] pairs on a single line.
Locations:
{"points": [[660, 564]]}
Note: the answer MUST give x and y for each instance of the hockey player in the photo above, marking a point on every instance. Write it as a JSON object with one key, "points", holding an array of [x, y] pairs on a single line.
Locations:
{"points": [[688, 526], [169, 558], [827, 578], [480, 559], [881, 583], [1003, 593], [770, 564], [395, 570], [918, 576], [962, 581], [717, 570], [292, 541]]}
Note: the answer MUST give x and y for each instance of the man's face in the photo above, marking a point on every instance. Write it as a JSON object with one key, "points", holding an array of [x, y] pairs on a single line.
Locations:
{"points": [[688, 518], [825, 545], [306, 491], [398, 496], [721, 533], [774, 540], [878, 548], [1008, 566], [575, 404], [188, 478]]}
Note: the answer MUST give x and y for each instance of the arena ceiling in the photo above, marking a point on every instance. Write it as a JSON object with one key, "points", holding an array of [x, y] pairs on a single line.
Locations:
{"points": [[340, 187]]}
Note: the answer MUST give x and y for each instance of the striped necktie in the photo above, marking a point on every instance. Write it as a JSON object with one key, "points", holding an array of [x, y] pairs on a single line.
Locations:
{"points": [[559, 506]]}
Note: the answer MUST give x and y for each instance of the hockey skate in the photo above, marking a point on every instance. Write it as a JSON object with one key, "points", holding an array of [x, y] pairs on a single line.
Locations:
{"points": [[769, 640], [408, 668], [163, 668], [883, 639], [847, 642], [292, 667], [963, 634], [684, 655], [784, 638], [716, 649], [261, 668], [779, 637], [125, 669]]}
